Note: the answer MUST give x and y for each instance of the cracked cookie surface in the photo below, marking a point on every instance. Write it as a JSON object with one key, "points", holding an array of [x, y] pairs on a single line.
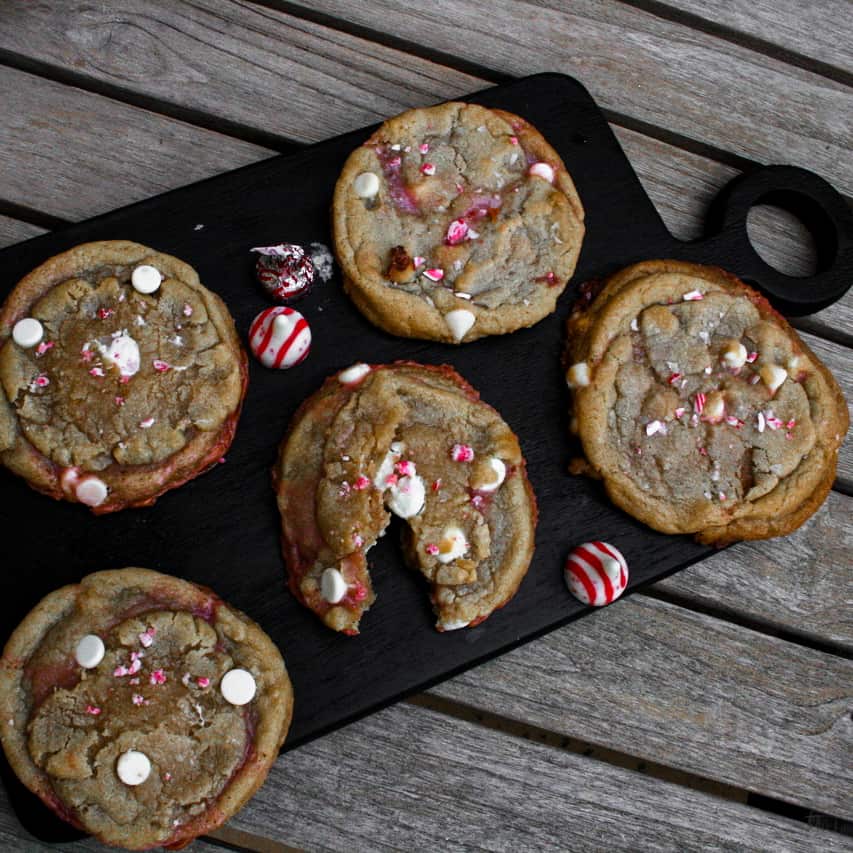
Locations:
{"points": [[126, 394], [417, 442], [454, 222], [699, 406], [156, 690]]}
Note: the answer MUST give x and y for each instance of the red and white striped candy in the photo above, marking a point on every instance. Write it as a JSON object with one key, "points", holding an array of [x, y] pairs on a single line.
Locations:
{"points": [[596, 573], [280, 337]]}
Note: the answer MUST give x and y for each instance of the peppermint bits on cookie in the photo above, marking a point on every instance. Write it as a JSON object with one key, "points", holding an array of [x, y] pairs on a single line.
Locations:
{"points": [[596, 573]]}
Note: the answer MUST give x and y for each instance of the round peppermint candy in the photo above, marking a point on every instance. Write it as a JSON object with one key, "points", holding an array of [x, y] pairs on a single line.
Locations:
{"points": [[286, 272], [596, 573], [280, 337]]}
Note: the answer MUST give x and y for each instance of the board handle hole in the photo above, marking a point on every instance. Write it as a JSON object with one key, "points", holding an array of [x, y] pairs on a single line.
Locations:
{"points": [[792, 234]]}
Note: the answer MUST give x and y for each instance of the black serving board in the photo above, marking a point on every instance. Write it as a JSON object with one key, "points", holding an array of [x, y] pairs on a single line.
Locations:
{"points": [[222, 529]]}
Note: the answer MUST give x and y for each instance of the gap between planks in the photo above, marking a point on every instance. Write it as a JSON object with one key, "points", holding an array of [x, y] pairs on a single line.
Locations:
{"points": [[595, 752]]}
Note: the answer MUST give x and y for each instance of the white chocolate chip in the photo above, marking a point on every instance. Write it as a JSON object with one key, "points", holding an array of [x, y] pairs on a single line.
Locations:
{"points": [[452, 546], [733, 354], [499, 468], [407, 496], [459, 321], [453, 626], [122, 351], [27, 332], [91, 491], [146, 279], [133, 767], [366, 185], [715, 407], [542, 170], [773, 376], [238, 687], [333, 587], [90, 651], [353, 374], [577, 376]]}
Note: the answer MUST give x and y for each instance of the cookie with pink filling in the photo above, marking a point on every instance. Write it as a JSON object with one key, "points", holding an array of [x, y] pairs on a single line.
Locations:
{"points": [[455, 222], [414, 442], [141, 708], [698, 406], [122, 376]]}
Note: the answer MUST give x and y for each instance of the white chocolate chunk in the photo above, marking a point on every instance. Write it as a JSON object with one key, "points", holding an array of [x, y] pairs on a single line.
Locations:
{"points": [[386, 468], [407, 496], [715, 407], [452, 546], [353, 374], [133, 767], [333, 587], [146, 279], [499, 468], [91, 491], [459, 321], [773, 376], [238, 687], [27, 332], [733, 354], [122, 351], [90, 651], [542, 170], [366, 185], [577, 376]]}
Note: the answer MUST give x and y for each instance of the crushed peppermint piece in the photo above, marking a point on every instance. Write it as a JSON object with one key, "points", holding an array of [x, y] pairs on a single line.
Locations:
{"points": [[773, 422], [654, 427], [754, 379], [391, 480], [167, 777], [635, 326], [478, 501], [146, 638], [147, 423], [119, 401], [708, 370], [185, 679], [41, 381], [703, 451], [160, 366], [133, 681], [138, 699], [693, 296], [406, 468], [699, 403], [357, 540], [457, 231], [359, 592], [428, 169], [513, 140], [751, 356], [436, 484], [86, 354], [722, 496], [462, 295], [97, 371], [761, 422], [344, 490], [462, 453], [434, 274], [203, 681], [43, 347], [418, 260], [94, 710], [187, 310], [679, 411], [791, 424], [731, 420], [674, 377], [105, 313], [432, 550], [361, 483], [158, 677], [423, 147], [120, 671]]}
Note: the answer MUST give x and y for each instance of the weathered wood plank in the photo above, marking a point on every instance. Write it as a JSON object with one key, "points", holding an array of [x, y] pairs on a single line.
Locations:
{"points": [[690, 83], [74, 154], [801, 583], [13, 231], [271, 70], [666, 684], [411, 778], [761, 108], [820, 31]]}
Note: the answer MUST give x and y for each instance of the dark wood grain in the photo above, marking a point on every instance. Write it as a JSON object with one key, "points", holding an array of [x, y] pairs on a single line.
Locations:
{"points": [[470, 788], [703, 89], [660, 682], [13, 231]]}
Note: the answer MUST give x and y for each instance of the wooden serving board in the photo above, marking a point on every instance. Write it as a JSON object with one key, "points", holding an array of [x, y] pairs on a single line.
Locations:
{"points": [[222, 530]]}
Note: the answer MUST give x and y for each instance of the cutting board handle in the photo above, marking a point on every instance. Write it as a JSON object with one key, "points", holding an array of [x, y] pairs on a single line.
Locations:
{"points": [[821, 208]]}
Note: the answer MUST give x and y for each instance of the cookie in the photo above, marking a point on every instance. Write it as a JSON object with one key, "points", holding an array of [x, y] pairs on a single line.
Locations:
{"points": [[417, 442], [455, 222], [699, 406], [122, 376], [141, 708]]}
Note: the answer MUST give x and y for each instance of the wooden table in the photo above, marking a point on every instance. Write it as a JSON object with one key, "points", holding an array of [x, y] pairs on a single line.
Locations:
{"points": [[713, 710]]}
